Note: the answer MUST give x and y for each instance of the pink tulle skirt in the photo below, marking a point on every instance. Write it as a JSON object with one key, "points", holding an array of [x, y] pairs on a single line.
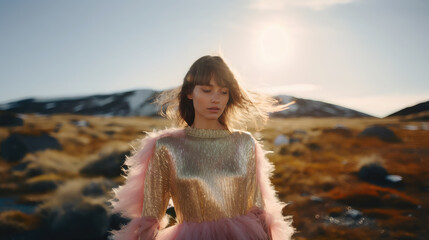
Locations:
{"points": [[246, 227]]}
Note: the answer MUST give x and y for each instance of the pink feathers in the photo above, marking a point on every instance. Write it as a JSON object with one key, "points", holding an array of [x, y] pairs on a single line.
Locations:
{"points": [[129, 197], [280, 227]]}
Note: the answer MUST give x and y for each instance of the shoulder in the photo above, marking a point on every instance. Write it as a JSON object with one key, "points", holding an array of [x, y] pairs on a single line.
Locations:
{"points": [[244, 137], [152, 138], [242, 134], [168, 135]]}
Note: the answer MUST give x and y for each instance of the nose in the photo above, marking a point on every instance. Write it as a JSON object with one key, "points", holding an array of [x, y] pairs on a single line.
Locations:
{"points": [[215, 98]]}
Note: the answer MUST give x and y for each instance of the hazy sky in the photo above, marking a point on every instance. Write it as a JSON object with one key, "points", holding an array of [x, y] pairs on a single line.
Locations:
{"points": [[369, 55]]}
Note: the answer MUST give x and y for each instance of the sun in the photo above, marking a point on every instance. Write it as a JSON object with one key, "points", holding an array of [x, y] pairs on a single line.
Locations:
{"points": [[275, 45]]}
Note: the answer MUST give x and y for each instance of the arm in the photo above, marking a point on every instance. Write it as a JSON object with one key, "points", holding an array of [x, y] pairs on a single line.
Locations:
{"points": [[144, 196], [279, 227]]}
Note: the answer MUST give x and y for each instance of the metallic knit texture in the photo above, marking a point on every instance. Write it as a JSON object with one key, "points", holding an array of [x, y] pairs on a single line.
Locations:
{"points": [[209, 175]]}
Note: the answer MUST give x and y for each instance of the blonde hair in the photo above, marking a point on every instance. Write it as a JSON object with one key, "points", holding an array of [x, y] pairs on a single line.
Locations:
{"points": [[243, 107]]}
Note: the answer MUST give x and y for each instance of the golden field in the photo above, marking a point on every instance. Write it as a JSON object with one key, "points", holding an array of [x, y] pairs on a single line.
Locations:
{"points": [[316, 173]]}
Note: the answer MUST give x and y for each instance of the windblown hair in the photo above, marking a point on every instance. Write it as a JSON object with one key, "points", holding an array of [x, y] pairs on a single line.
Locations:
{"points": [[243, 106]]}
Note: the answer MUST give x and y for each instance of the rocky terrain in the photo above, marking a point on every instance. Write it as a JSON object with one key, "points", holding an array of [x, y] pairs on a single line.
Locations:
{"points": [[344, 178]]}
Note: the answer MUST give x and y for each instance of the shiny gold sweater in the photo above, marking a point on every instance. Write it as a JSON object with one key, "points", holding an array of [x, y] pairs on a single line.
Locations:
{"points": [[217, 180], [208, 174]]}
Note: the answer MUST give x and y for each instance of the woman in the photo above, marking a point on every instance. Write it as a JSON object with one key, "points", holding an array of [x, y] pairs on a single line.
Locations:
{"points": [[216, 177]]}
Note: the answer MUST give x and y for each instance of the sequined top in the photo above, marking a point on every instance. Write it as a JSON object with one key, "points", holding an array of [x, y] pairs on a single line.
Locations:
{"points": [[208, 174]]}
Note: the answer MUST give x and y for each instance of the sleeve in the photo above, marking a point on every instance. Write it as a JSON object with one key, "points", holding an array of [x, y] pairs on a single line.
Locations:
{"points": [[144, 196], [278, 226]]}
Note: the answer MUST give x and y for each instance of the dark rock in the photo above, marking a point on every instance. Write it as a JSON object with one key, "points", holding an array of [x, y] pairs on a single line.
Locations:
{"points": [[328, 186], [41, 186], [16, 146], [37, 234], [376, 174], [98, 188], [383, 133], [110, 133], [296, 153], [16, 203], [373, 173], [83, 221], [107, 166], [10, 119], [93, 189], [314, 146], [283, 150], [13, 149], [34, 171], [71, 215], [116, 221], [20, 167]]}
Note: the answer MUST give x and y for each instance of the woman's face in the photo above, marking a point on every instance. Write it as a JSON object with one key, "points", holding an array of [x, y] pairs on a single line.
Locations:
{"points": [[209, 102]]}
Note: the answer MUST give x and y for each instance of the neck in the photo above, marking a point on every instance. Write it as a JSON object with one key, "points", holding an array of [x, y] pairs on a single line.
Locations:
{"points": [[208, 125]]}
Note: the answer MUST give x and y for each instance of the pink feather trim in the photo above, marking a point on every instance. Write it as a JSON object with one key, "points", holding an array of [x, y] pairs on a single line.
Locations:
{"points": [[279, 226], [139, 228], [129, 197]]}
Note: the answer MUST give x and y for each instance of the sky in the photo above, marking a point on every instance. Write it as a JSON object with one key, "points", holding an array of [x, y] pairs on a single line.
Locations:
{"points": [[368, 55]]}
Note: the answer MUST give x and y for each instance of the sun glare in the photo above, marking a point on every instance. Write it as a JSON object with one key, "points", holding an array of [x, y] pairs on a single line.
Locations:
{"points": [[275, 45]]}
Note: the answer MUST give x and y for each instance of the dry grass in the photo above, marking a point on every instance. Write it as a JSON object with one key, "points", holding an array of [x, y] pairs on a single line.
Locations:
{"points": [[323, 163]]}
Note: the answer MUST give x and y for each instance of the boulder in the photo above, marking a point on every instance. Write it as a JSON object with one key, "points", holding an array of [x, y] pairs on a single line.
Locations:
{"points": [[83, 220], [12, 149], [16, 146], [382, 133], [373, 173], [10, 119], [71, 215], [98, 188], [41, 186], [107, 165]]}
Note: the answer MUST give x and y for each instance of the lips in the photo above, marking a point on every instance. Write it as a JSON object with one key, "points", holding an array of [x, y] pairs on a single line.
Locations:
{"points": [[213, 109]]}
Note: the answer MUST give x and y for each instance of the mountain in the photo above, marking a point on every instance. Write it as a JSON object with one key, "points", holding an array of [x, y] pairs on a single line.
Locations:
{"points": [[139, 103], [131, 103], [418, 108], [311, 108]]}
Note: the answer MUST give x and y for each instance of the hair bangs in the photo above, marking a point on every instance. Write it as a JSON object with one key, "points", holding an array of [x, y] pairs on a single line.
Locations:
{"points": [[204, 74]]}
